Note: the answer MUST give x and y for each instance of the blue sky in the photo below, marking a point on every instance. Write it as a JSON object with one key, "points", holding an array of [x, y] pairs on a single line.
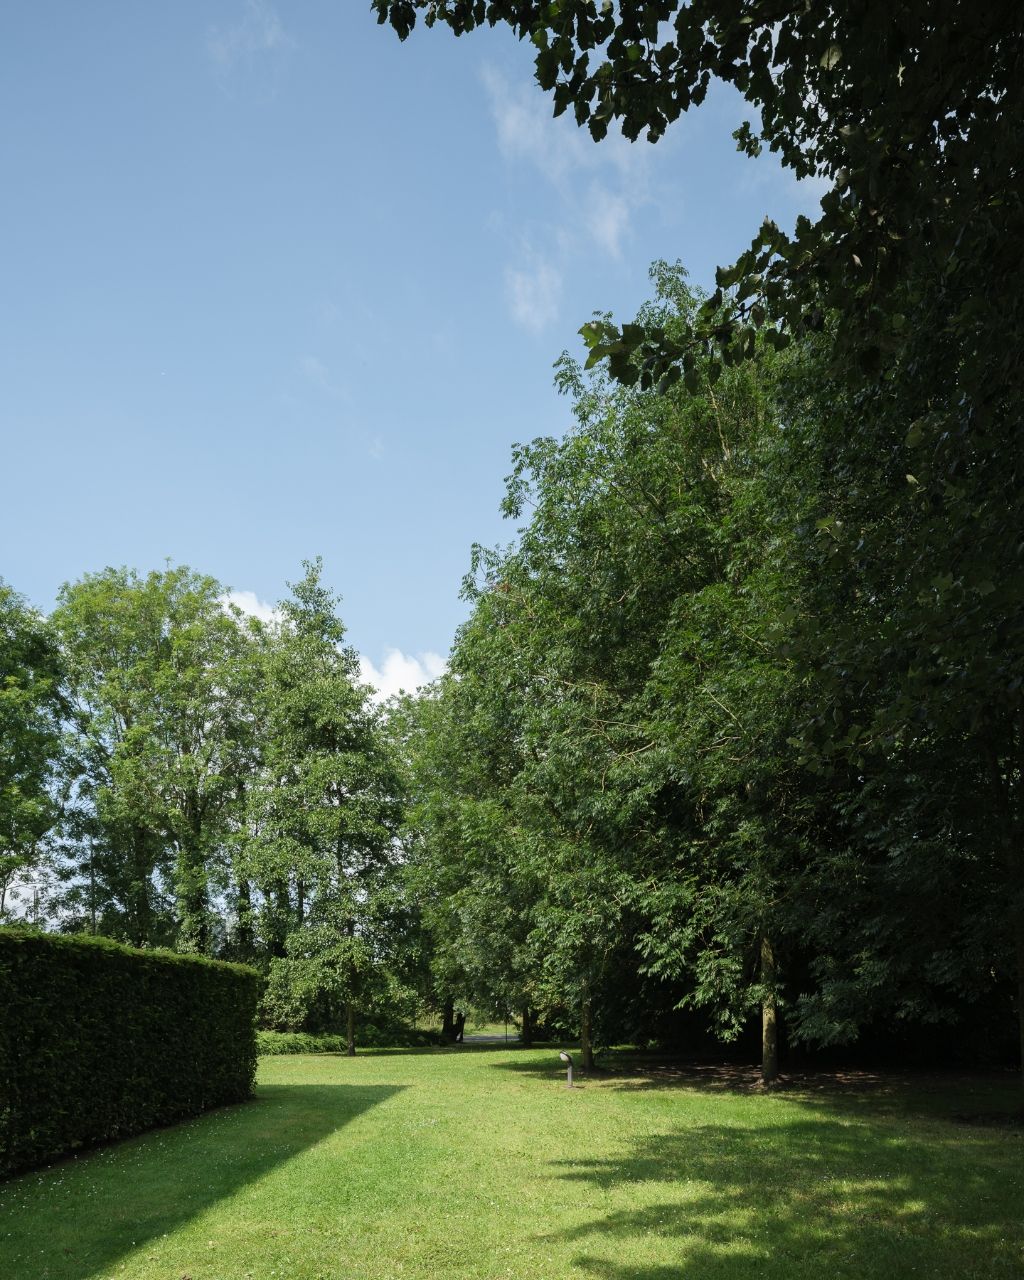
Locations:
{"points": [[275, 285]]}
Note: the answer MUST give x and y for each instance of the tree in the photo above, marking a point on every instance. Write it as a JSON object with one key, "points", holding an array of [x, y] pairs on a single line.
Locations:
{"points": [[912, 623], [31, 705], [324, 817], [650, 543], [155, 668], [590, 793]]}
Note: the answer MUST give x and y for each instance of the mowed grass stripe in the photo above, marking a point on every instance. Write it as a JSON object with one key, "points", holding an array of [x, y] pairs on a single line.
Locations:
{"points": [[479, 1163]]}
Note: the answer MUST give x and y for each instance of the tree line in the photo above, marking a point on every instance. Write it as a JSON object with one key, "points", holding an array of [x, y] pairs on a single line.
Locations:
{"points": [[179, 774], [707, 743], [832, 706]]}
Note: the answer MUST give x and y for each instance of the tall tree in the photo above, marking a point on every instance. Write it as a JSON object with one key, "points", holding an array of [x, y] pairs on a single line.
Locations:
{"points": [[912, 279], [324, 816], [161, 734], [591, 756]]}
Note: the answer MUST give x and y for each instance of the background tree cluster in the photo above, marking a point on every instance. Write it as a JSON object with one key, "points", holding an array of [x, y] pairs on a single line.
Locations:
{"points": [[182, 775]]}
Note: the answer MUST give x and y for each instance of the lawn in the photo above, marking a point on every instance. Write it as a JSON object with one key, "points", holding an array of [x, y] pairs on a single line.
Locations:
{"points": [[477, 1162]]}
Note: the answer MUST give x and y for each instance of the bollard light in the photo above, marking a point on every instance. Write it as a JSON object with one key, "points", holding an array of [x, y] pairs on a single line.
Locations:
{"points": [[567, 1059]]}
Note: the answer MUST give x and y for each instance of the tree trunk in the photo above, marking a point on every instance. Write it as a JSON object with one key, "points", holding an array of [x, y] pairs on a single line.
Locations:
{"points": [[448, 1022], [1018, 938], [350, 1030], [92, 888], [586, 1035], [769, 1018], [1011, 821], [526, 1034], [460, 1028], [139, 906], [193, 905], [246, 937], [277, 910]]}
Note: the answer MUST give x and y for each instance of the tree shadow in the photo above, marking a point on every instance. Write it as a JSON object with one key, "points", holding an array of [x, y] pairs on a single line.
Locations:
{"points": [[807, 1196], [75, 1219], [971, 1097]]}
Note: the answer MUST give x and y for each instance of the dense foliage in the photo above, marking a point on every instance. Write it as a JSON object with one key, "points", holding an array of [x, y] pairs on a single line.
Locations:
{"points": [[320, 818], [98, 1041], [655, 778]]}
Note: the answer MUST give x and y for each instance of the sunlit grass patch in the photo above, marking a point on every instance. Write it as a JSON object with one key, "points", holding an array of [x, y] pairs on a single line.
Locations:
{"points": [[479, 1163]]}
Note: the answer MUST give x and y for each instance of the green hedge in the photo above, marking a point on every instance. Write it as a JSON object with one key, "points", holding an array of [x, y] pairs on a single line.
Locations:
{"points": [[98, 1041], [273, 1043], [278, 1042]]}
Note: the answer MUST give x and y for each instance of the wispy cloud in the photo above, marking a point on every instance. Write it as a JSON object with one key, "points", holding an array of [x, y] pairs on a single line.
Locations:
{"points": [[258, 30], [597, 188], [527, 131], [400, 672], [534, 291], [316, 372], [607, 216]]}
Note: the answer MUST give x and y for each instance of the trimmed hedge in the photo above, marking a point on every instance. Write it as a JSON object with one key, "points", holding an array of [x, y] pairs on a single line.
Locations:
{"points": [[99, 1041]]}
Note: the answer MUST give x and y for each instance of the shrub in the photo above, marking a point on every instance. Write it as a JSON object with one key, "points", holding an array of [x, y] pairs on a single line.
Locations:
{"points": [[98, 1041]]}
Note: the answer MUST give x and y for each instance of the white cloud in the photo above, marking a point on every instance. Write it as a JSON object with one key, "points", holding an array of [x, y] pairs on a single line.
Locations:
{"points": [[556, 145], [258, 30], [250, 603], [314, 369], [534, 292], [397, 673], [527, 130], [400, 672]]}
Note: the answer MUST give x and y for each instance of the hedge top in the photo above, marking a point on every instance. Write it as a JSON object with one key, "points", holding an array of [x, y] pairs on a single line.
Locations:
{"points": [[26, 935]]}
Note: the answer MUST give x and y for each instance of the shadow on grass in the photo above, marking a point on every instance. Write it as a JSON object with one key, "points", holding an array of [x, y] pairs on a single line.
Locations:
{"points": [[980, 1096], [73, 1221], [811, 1197]]}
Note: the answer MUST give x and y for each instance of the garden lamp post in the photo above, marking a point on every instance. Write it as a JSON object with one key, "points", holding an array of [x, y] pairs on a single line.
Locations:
{"points": [[567, 1059]]}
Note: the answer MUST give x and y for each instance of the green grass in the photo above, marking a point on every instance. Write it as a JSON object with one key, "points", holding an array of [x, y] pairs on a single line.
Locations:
{"points": [[477, 1162], [479, 1027]]}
